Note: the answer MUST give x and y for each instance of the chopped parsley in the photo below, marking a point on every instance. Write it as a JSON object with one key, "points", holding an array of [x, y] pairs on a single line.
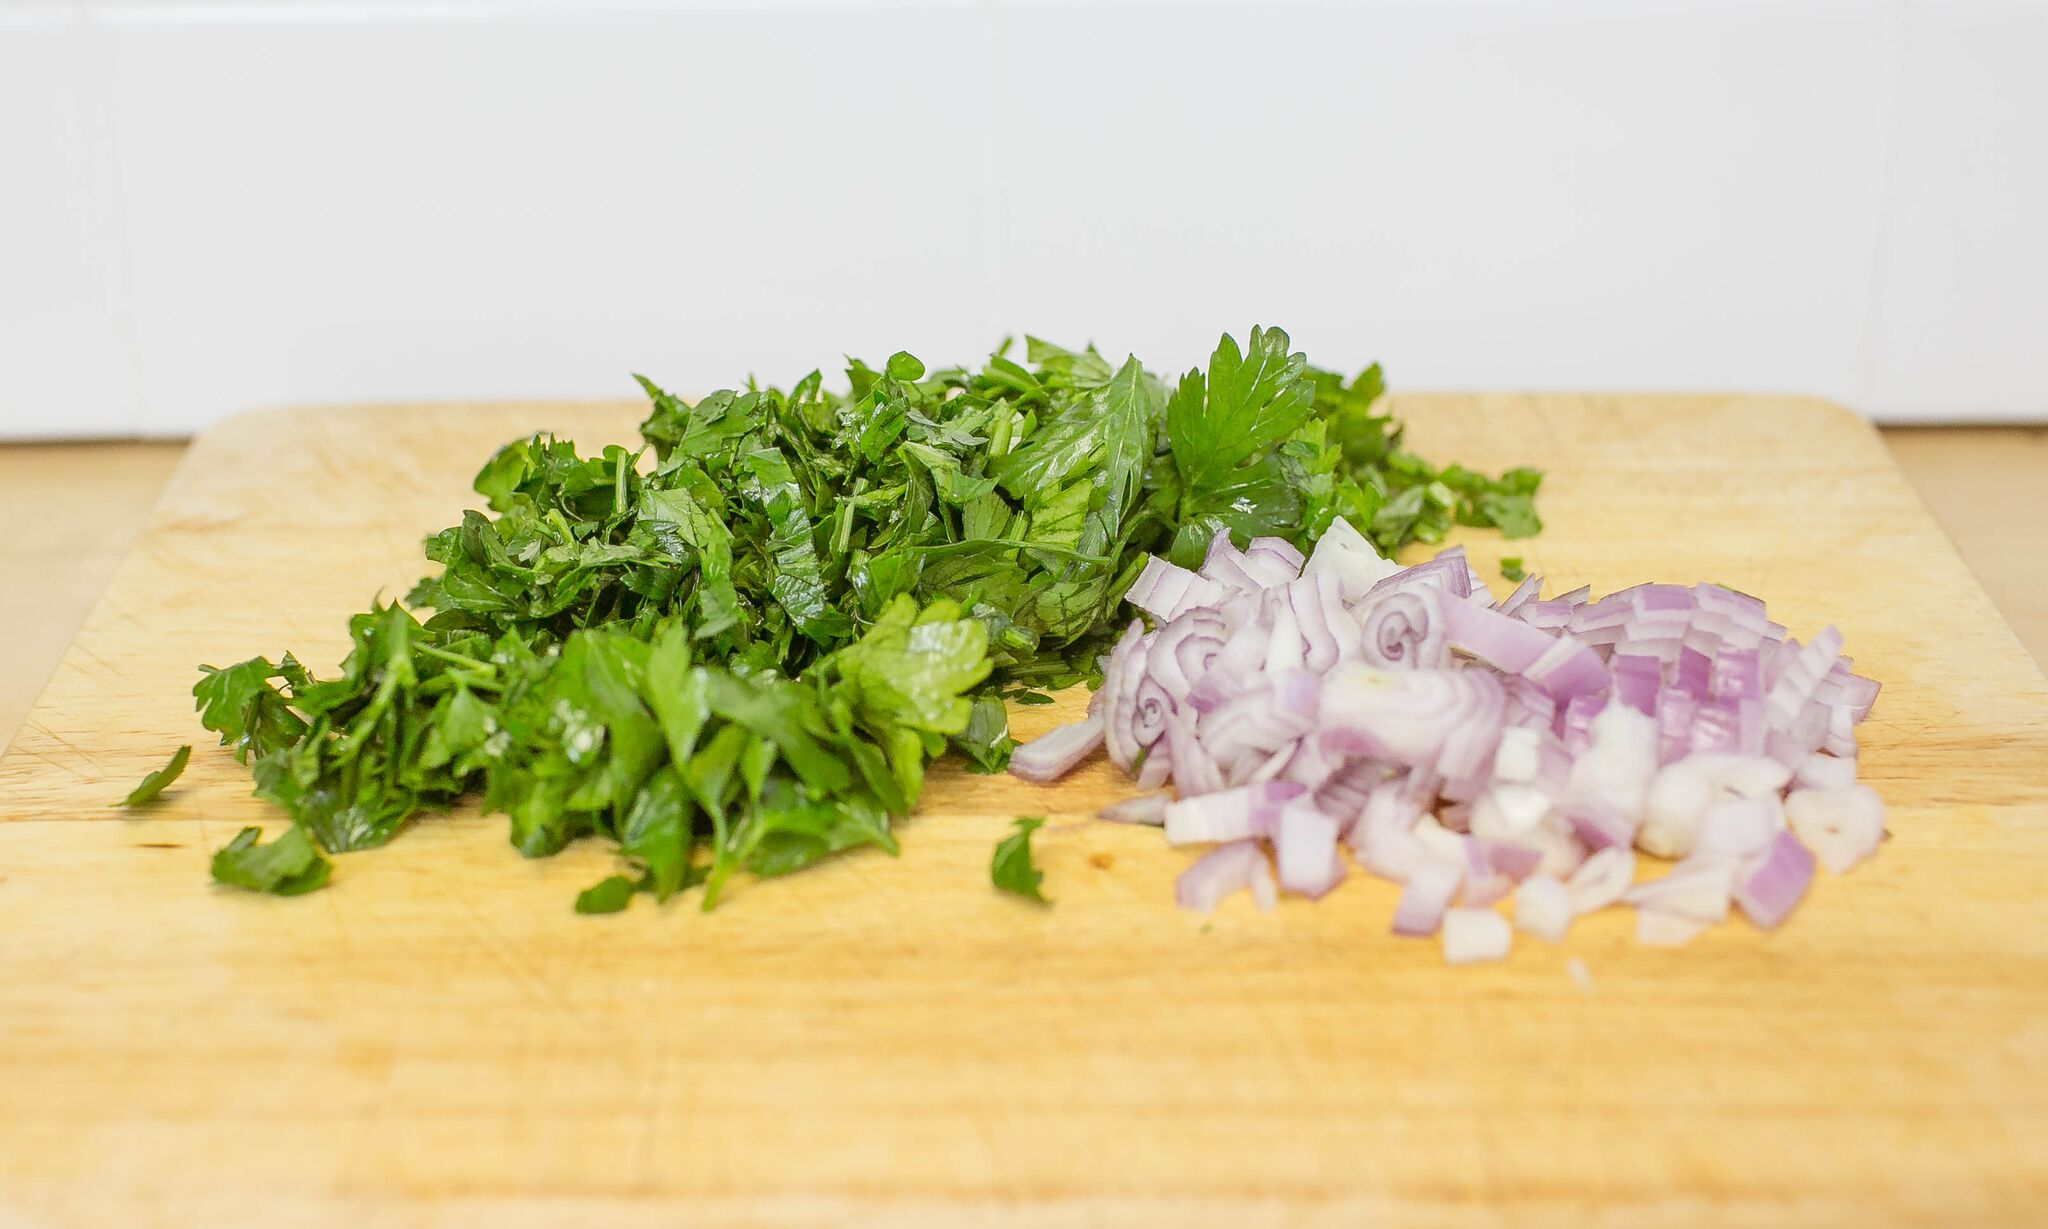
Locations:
{"points": [[736, 647]]}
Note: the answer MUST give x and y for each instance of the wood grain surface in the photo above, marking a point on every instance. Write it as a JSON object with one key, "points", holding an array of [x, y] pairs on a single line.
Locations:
{"points": [[437, 1040]]}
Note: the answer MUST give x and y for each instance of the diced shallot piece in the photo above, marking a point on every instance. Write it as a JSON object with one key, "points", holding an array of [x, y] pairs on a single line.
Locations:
{"points": [[1475, 935], [1543, 907]]}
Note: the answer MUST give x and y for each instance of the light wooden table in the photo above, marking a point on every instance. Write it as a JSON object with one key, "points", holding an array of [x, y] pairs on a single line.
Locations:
{"points": [[1988, 488], [69, 511]]}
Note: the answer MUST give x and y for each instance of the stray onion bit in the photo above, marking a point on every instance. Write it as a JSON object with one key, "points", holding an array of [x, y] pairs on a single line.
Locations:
{"points": [[1477, 752], [1144, 809], [1580, 974], [1474, 935], [1055, 755]]}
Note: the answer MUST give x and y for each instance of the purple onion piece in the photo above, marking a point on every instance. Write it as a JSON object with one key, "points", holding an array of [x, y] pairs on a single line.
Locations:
{"points": [[1523, 594], [1055, 753], [1403, 630], [1165, 591], [1426, 896], [1778, 880], [1216, 874], [1305, 851], [1144, 809]]}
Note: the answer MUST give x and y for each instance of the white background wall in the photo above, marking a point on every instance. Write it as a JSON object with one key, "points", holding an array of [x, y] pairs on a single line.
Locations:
{"points": [[209, 207]]}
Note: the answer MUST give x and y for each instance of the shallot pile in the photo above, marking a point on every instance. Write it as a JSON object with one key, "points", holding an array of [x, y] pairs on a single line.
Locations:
{"points": [[1471, 749]]}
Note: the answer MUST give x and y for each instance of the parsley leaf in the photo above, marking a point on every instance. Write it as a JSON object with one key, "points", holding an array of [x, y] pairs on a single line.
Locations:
{"points": [[1011, 869], [986, 743], [659, 832], [609, 895], [291, 865], [1247, 402], [239, 704], [154, 783], [914, 667]]}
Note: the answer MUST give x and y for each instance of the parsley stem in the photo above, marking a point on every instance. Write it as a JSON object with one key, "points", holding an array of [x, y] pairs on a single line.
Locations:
{"points": [[979, 544], [454, 657]]}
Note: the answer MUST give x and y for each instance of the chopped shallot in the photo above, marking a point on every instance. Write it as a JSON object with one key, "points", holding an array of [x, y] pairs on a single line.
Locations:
{"points": [[1469, 749]]}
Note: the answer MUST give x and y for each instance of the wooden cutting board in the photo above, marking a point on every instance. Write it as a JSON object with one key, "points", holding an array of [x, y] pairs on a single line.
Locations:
{"points": [[437, 1039]]}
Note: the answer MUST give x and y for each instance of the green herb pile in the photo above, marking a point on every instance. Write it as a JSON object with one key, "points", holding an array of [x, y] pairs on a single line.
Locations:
{"points": [[738, 647]]}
